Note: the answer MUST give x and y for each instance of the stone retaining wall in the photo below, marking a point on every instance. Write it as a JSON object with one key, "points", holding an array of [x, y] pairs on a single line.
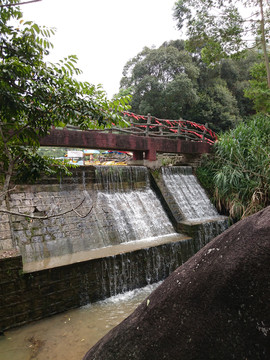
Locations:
{"points": [[34, 198], [167, 159], [5, 232]]}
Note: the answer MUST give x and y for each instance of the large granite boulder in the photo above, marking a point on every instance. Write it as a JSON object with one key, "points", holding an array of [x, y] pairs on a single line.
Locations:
{"points": [[215, 306]]}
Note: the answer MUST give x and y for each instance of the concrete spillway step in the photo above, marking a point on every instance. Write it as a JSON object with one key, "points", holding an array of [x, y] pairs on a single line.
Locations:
{"points": [[42, 289], [105, 252]]}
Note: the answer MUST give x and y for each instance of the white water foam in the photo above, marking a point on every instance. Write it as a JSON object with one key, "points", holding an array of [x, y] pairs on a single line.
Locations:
{"points": [[190, 197]]}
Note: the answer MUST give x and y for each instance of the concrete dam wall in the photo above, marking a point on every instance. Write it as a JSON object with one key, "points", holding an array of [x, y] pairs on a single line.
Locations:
{"points": [[105, 230]]}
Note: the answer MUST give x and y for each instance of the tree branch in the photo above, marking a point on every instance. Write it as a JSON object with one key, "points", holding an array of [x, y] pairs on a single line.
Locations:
{"points": [[83, 216], [20, 3], [49, 216], [264, 43], [4, 192], [17, 132]]}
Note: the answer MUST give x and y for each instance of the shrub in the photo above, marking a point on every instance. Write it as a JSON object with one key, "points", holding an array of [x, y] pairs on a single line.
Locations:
{"points": [[238, 174]]}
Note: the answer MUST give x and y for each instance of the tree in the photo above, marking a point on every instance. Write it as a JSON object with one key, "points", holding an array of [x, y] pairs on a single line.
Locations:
{"points": [[258, 90], [216, 106], [222, 92], [9, 4], [163, 80], [170, 82], [35, 95], [237, 74], [218, 27]]}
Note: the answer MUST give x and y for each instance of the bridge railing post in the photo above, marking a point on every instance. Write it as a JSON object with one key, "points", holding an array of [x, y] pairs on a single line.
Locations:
{"points": [[204, 131], [186, 134], [148, 124], [179, 129]]}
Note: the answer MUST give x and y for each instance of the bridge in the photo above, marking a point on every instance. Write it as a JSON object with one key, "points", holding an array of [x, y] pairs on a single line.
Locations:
{"points": [[145, 137]]}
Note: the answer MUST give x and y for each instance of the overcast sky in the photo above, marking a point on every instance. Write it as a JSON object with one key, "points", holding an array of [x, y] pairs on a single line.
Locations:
{"points": [[104, 34]]}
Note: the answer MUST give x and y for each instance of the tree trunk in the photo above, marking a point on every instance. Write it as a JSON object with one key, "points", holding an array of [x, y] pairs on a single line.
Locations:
{"points": [[10, 166], [8, 178], [266, 58]]}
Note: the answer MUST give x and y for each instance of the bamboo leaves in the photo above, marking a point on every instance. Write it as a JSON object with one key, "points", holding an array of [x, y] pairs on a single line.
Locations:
{"points": [[240, 168]]}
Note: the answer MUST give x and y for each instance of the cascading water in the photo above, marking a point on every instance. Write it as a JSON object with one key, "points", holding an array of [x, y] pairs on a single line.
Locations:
{"points": [[124, 209], [193, 203], [135, 214], [109, 233], [188, 193], [126, 272]]}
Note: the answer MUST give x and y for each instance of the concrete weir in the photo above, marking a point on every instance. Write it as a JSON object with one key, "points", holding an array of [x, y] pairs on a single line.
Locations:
{"points": [[125, 229]]}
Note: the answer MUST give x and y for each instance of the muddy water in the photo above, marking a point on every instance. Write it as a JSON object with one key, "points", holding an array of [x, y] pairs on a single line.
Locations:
{"points": [[69, 335]]}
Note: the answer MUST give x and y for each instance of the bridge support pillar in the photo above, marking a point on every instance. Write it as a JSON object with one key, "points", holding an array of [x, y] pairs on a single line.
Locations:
{"points": [[137, 155], [151, 155]]}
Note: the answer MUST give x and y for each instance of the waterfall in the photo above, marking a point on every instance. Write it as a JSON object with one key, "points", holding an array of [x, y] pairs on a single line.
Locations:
{"points": [[135, 213], [190, 197], [108, 233], [124, 209], [199, 218], [121, 178], [125, 272]]}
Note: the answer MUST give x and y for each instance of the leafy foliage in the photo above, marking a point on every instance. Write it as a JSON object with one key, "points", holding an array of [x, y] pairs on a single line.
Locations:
{"points": [[258, 90], [215, 26], [223, 28], [35, 94], [216, 106], [163, 80], [170, 82], [238, 175], [237, 74], [34, 166]]}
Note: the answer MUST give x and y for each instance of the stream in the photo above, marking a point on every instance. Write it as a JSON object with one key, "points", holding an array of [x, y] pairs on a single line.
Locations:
{"points": [[71, 334]]}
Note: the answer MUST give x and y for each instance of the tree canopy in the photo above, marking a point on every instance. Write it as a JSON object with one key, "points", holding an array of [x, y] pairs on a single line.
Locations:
{"points": [[223, 28], [35, 94], [170, 82], [162, 80]]}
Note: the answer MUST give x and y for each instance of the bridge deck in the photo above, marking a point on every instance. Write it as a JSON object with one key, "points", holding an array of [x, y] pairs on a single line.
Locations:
{"points": [[137, 144]]}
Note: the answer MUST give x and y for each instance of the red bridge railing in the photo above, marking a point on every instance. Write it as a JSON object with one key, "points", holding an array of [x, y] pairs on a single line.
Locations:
{"points": [[141, 125], [152, 126]]}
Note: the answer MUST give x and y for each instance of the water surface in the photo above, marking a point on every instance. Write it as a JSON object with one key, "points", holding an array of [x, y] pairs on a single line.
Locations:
{"points": [[70, 335]]}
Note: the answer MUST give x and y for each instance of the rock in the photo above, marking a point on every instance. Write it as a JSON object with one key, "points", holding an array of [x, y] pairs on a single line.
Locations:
{"points": [[215, 306]]}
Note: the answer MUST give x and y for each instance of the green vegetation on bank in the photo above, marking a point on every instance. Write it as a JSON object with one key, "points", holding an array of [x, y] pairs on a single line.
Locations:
{"points": [[237, 175]]}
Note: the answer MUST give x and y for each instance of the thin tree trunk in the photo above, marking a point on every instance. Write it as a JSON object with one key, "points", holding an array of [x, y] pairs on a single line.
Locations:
{"points": [[10, 164], [266, 58], [8, 177]]}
